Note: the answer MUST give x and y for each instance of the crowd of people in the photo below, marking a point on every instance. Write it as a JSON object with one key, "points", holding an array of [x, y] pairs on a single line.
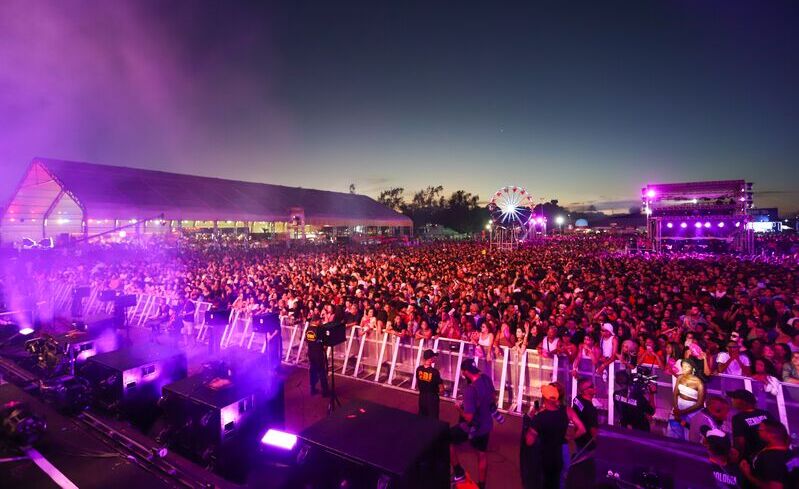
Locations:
{"points": [[580, 298]]}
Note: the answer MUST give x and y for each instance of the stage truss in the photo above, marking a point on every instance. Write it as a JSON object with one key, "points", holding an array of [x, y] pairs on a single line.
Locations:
{"points": [[706, 212]]}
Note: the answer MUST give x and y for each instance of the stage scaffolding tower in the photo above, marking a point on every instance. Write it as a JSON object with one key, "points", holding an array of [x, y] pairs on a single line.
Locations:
{"points": [[694, 212]]}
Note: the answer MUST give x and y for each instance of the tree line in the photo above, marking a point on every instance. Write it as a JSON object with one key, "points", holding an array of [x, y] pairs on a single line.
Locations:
{"points": [[460, 211]]}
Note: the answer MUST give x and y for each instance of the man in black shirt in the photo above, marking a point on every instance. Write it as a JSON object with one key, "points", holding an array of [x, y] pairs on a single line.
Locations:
{"points": [[769, 468], [317, 360], [430, 385], [746, 423], [584, 407]]}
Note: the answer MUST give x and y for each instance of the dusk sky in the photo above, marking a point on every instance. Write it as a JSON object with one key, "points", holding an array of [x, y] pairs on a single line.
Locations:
{"points": [[580, 101]]}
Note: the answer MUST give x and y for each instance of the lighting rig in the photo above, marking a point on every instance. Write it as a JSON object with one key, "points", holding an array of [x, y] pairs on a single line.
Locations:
{"points": [[710, 213]]}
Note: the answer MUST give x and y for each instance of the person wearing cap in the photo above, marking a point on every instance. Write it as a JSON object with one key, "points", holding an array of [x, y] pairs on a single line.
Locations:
{"points": [[428, 380], [608, 348], [479, 399], [725, 471], [546, 431], [746, 422], [713, 416]]}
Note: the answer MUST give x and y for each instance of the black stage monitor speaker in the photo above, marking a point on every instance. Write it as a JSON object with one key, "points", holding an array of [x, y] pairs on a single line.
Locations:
{"points": [[649, 460], [108, 295], [360, 446], [82, 345], [266, 323], [217, 317], [80, 292], [217, 416], [127, 300], [333, 333], [129, 381]]}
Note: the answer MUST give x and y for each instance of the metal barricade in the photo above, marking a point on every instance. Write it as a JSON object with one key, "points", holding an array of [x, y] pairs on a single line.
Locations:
{"points": [[535, 370], [405, 352], [371, 351], [789, 412], [292, 335], [449, 364]]}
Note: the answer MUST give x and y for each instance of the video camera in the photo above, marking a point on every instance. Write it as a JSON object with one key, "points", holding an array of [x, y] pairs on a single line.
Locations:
{"points": [[642, 378]]}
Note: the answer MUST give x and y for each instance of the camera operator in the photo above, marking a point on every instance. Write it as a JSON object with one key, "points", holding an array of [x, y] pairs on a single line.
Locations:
{"points": [[634, 400], [476, 421]]}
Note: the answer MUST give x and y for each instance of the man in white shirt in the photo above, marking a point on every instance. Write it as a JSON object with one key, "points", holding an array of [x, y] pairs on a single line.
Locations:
{"points": [[731, 362]]}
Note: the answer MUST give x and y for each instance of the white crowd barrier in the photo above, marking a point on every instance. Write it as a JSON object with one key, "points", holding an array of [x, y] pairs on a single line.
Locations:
{"points": [[390, 360]]}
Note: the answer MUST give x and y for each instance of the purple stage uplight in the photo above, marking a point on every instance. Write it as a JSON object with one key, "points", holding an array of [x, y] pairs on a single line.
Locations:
{"points": [[279, 439], [737, 224], [669, 225], [721, 224], [683, 225], [698, 225], [650, 193], [707, 224]]}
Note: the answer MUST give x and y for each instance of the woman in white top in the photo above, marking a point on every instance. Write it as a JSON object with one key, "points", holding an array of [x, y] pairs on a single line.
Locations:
{"points": [[689, 399], [586, 351], [485, 342]]}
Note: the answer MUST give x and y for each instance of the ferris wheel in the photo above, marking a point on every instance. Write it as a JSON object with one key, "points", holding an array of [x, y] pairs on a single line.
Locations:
{"points": [[511, 210], [511, 207]]}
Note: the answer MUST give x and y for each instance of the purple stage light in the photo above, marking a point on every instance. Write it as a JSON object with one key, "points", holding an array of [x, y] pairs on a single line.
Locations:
{"points": [[721, 224], [279, 439], [26, 331], [650, 193], [669, 225], [698, 225], [707, 224], [737, 224], [683, 225]]}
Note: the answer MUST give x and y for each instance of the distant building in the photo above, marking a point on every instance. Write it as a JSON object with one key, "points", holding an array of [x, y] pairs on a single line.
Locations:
{"points": [[765, 214], [66, 199]]}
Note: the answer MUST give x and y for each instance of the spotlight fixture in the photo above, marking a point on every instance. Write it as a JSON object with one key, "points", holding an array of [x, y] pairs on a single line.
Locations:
{"points": [[721, 224], [683, 225], [279, 439], [737, 224], [707, 224], [650, 193], [698, 225], [669, 225]]}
